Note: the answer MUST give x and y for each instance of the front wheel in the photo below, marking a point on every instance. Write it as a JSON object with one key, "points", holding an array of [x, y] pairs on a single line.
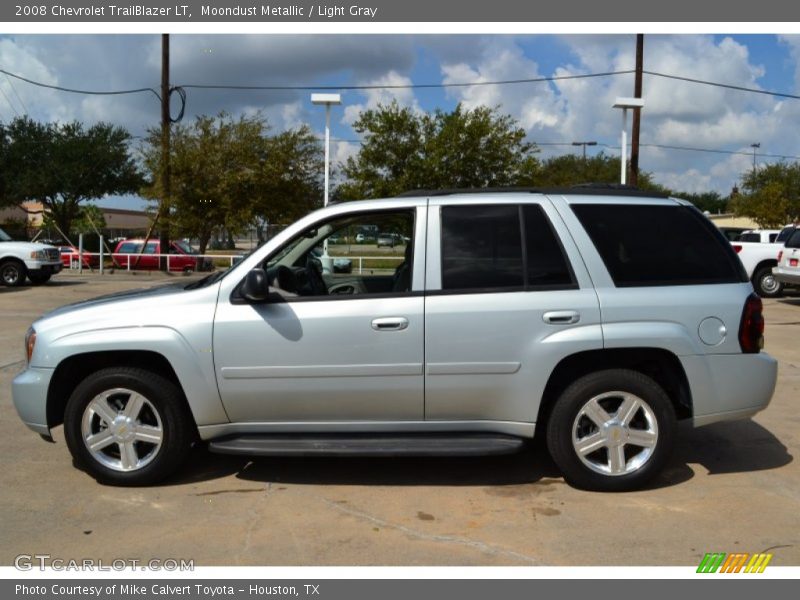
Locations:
{"points": [[611, 430], [765, 283], [12, 273], [128, 426]]}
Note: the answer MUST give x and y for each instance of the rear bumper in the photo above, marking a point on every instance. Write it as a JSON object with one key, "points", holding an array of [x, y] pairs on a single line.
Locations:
{"points": [[29, 391], [784, 275], [729, 386]]}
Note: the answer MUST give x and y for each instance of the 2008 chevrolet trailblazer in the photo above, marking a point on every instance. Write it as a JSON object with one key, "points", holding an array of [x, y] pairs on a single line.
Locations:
{"points": [[595, 317]]}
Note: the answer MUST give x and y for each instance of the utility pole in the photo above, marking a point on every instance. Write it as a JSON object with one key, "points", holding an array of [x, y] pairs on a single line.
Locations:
{"points": [[637, 112], [165, 152], [584, 144], [755, 147]]}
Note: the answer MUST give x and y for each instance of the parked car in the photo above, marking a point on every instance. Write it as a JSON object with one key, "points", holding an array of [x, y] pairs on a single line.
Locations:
{"points": [[181, 256], [26, 260], [70, 255], [390, 239], [513, 314], [763, 236], [360, 238], [788, 269], [733, 233], [758, 260]]}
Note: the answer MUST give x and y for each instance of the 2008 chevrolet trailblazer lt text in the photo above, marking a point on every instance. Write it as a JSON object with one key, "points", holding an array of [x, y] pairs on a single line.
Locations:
{"points": [[596, 317]]}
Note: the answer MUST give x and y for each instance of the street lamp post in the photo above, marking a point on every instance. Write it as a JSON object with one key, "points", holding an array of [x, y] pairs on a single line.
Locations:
{"points": [[584, 144], [625, 104], [328, 100]]}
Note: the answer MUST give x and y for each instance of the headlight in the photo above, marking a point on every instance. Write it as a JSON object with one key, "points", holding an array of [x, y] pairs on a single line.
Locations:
{"points": [[38, 255], [30, 342]]}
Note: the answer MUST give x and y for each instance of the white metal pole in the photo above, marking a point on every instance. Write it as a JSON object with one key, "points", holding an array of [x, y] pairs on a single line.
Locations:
{"points": [[80, 253], [325, 263], [327, 148], [101, 255], [624, 147]]}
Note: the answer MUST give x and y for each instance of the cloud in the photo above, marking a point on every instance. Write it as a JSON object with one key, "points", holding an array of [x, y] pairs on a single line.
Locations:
{"points": [[676, 113], [374, 97]]}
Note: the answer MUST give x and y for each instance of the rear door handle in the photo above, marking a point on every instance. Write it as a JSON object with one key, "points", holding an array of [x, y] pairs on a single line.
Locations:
{"points": [[389, 324], [561, 317]]}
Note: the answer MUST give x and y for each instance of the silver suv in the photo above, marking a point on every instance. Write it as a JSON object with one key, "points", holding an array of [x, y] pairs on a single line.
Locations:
{"points": [[597, 318]]}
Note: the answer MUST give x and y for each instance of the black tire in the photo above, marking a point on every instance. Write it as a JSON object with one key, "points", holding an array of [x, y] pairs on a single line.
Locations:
{"points": [[39, 278], [166, 399], [564, 418], [12, 272], [765, 283]]}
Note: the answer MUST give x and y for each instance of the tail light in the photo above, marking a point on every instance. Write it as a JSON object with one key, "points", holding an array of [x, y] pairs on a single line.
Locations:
{"points": [[737, 248], [780, 255], [751, 329], [792, 262]]}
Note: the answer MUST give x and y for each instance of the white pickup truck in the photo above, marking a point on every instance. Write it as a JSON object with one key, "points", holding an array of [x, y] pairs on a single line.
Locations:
{"points": [[21, 260], [759, 259]]}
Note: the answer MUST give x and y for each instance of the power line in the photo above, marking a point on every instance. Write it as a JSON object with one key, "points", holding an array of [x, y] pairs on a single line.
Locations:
{"points": [[14, 108], [723, 85], [401, 86], [14, 89], [77, 91]]}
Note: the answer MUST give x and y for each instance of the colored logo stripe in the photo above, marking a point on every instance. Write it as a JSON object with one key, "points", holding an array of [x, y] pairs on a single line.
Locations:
{"points": [[734, 563]]}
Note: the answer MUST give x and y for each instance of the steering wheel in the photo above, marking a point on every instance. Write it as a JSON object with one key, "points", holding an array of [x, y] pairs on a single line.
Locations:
{"points": [[314, 275]]}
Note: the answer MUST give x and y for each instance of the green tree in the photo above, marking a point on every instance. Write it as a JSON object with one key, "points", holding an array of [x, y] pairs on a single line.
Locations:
{"points": [[771, 194], [405, 150], [570, 169], [64, 165], [227, 172], [712, 202]]}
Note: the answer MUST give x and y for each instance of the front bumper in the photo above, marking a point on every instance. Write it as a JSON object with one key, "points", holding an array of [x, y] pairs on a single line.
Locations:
{"points": [[729, 386], [29, 391], [45, 268], [789, 276]]}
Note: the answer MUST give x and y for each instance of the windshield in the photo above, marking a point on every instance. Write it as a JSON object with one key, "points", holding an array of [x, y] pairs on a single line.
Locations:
{"points": [[4, 237], [184, 246]]}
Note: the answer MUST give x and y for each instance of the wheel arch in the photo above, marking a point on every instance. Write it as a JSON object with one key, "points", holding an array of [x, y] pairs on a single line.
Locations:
{"points": [[661, 365], [75, 368]]}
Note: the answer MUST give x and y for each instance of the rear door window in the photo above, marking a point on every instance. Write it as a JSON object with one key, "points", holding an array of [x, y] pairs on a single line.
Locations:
{"points": [[653, 245]]}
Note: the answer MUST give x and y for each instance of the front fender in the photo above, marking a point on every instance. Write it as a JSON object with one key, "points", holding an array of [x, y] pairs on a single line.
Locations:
{"points": [[193, 366]]}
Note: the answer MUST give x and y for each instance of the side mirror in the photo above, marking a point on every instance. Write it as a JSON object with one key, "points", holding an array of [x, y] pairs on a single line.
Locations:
{"points": [[255, 287]]}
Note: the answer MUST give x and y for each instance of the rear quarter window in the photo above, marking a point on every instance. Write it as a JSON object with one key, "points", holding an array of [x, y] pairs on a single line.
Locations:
{"points": [[657, 245]]}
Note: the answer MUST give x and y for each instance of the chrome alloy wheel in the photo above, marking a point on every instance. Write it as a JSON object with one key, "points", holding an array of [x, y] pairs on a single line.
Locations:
{"points": [[615, 433], [122, 429]]}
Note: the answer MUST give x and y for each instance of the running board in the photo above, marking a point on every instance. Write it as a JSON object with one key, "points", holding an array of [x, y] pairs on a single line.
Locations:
{"points": [[459, 444]]}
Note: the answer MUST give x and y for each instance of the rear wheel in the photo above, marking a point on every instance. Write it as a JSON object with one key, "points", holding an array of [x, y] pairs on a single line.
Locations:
{"points": [[39, 278], [128, 426], [12, 273], [765, 283], [612, 430]]}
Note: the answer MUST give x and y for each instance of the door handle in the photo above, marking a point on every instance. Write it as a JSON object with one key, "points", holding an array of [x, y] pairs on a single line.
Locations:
{"points": [[389, 324], [561, 317]]}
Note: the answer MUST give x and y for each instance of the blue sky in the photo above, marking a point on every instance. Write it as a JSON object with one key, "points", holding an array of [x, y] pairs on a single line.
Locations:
{"points": [[676, 113]]}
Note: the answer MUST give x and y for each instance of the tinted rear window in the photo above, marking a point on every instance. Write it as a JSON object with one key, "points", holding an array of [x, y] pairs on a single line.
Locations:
{"points": [[659, 245], [481, 247], [794, 240], [749, 237]]}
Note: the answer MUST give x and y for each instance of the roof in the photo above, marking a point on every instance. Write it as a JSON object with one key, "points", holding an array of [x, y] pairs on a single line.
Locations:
{"points": [[583, 189]]}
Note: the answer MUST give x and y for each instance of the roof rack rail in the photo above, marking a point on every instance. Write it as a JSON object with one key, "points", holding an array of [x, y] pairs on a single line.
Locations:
{"points": [[588, 189]]}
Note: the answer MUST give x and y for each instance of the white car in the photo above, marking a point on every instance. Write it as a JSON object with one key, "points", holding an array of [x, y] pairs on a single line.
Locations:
{"points": [[21, 260], [762, 236], [788, 269]]}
